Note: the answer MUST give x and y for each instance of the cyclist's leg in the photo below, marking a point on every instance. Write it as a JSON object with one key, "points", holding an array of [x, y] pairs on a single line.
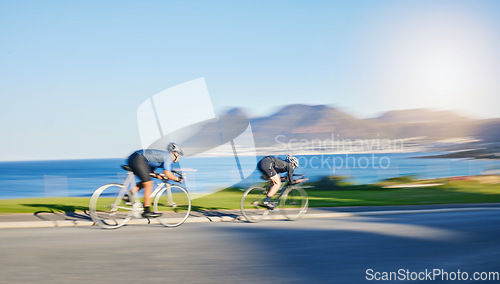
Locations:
{"points": [[141, 169], [266, 166], [276, 185], [148, 189]]}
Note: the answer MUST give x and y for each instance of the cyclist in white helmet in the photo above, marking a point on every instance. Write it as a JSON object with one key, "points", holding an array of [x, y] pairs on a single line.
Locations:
{"points": [[271, 167], [144, 162]]}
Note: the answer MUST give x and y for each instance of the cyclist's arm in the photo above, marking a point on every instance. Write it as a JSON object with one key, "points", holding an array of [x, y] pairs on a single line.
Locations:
{"points": [[290, 175], [171, 175], [167, 168]]}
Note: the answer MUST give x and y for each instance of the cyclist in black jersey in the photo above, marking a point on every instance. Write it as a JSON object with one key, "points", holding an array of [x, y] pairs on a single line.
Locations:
{"points": [[144, 162], [271, 167]]}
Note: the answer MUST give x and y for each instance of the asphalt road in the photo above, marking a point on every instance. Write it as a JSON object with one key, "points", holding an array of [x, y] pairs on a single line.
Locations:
{"points": [[333, 250]]}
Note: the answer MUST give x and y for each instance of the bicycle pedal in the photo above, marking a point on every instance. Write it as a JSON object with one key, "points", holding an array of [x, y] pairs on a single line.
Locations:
{"points": [[270, 206], [151, 215], [127, 200]]}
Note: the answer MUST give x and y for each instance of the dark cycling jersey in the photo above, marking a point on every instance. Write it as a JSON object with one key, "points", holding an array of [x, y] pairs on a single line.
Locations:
{"points": [[271, 166]]}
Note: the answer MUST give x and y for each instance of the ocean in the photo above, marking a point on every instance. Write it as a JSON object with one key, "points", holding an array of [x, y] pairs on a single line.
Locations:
{"points": [[79, 178]]}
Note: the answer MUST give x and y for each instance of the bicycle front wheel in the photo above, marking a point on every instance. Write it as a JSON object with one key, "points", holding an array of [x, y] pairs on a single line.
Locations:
{"points": [[251, 204], [107, 207], [175, 205], [294, 203]]}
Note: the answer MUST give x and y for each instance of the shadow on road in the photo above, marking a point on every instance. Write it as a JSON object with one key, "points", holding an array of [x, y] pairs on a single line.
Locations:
{"points": [[56, 212], [210, 212]]}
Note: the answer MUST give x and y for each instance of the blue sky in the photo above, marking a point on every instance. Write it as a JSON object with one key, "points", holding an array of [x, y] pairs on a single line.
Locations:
{"points": [[73, 73]]}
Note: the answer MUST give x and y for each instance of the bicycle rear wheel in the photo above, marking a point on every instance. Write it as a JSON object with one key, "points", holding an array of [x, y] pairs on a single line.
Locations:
{"points": [[175, 205], [107, 207], [251, 204], [294, 203]]}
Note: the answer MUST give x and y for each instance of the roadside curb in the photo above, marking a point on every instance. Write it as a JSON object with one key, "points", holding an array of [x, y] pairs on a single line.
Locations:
{"points": [[238, 218]]}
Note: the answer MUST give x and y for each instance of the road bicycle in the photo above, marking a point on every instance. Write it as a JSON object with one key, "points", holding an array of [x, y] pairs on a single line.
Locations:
{"points": [[291, 201], [113, 205]]}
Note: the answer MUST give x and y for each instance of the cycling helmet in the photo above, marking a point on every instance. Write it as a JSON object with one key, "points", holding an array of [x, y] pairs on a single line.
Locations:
{"points": [[291, 159], [174, 148]]}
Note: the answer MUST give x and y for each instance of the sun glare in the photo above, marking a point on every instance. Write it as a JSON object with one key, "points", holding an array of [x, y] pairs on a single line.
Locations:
{"points": [[442, 73], [441, 60]]}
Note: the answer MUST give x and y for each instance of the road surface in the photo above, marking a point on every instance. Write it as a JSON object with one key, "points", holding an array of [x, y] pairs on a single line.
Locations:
{"points": [[331, 250]]}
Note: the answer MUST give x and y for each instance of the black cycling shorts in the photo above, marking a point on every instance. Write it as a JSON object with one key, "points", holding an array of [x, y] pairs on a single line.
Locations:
{"points": [[266, 166], [140, 167]]}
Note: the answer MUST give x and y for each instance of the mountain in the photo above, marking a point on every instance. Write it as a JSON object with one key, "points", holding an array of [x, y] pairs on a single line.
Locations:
{"points": [[426, 123], [295, 122], [301, 122], [420, 116], [489, 131], [236, 111], [307, 122]]}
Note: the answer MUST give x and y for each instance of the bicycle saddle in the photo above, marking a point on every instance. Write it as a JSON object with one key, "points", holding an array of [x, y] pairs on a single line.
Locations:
{"points": [[127, 168]]}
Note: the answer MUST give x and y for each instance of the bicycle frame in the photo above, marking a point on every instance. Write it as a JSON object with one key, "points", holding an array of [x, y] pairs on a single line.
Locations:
{"points": [[278, 194], [130, 185], [290, 200], [282, 189], [114, 212]]}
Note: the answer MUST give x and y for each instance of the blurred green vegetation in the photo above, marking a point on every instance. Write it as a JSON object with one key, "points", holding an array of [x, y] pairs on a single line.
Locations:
{"points": [[330, 191]]}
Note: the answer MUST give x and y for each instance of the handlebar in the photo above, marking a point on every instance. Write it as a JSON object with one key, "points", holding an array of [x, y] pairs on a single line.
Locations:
{"points": [[302, 178], [165, 178], [179, 174]]}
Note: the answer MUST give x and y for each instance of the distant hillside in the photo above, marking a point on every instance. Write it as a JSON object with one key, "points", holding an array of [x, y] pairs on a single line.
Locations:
{"points": [[321, 122], [236, 111], [420, 116], [310, 122], [489, 131]]}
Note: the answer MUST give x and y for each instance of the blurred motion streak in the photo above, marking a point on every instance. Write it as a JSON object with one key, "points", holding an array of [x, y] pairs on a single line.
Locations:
{"points": [[184, 114]]}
